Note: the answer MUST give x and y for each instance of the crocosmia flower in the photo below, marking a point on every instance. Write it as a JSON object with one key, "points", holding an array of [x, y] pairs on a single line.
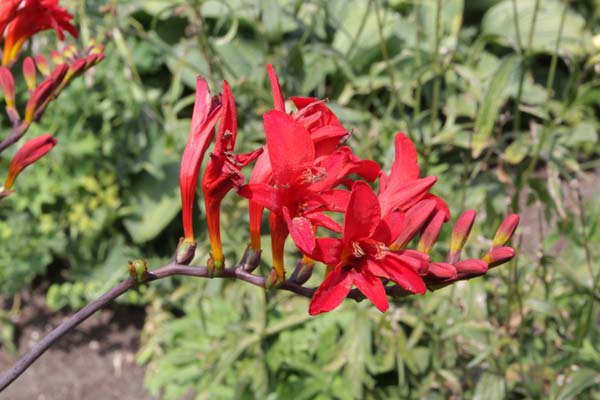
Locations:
{"points": [[33, 17], [223, 172], [31, 151], [361, 257], [207, 111]]}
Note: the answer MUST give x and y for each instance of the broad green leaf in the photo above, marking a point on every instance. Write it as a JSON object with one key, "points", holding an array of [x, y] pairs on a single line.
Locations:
{"points": [[576, 39], [155, 203]]}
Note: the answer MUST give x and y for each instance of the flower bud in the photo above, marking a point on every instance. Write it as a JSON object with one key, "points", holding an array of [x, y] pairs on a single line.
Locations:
{"points": [[470, 268], [499, 255], [431, 233], [506, 230], [31, 151], [7, 84], [42, 65], [29, 72], [460, 233], [138, 270], [441, 271]]}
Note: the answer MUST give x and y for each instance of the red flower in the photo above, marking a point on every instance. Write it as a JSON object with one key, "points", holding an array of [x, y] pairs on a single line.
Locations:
{"points": [[361, 257], [31, 151], [325, 130], [223, 172], [33, 17], [207, 111], [303, 185]]}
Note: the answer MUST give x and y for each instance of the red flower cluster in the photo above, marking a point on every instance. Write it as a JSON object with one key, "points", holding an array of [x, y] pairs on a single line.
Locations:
{"points": [[20, 20], [304, 176]]}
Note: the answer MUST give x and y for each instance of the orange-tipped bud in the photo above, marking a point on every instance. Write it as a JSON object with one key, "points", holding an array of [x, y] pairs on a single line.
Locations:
{"points": [[460, 233], [42, 65], [7, 83], [431, 233], [37, 98], [499, 255], [506, 230], [29, 72], [31, 151], [56, 57], [69, 52]]}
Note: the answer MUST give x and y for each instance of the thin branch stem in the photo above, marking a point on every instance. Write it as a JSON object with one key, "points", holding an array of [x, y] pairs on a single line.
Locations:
{"points": [[165, 271]]}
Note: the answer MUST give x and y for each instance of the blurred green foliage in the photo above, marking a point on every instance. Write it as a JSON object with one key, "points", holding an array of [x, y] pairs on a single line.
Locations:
{"points": [[501, 98]]}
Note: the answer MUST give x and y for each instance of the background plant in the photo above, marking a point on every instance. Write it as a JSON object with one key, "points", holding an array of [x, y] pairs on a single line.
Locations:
{"points": [[509, 113]]}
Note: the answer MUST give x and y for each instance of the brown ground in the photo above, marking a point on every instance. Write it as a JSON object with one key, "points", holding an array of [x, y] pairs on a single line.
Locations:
{"points": [[95, 361]]}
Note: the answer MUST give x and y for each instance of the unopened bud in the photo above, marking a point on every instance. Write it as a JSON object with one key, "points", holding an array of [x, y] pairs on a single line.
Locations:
{"points": [[499, 255], [56, 57], [441, 271], [414, 220], [138, 270], [29, 72], [506, 230], [431, 233], [42, 65], [460, 233], [186, 249], [470, 268], [37, 98], [7, 84]]}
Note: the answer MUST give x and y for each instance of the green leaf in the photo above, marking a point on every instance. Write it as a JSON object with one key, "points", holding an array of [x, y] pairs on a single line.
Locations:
{"points": [[495, 96], [155, 203], [499, 23], [577, 382], [490, 387]]}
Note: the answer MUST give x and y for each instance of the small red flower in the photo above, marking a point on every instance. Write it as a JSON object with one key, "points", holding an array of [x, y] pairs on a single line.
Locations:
{"points": [[207, 111], [35, 16], [223, 172], [361, 257], [31, 151], [303, 186]]}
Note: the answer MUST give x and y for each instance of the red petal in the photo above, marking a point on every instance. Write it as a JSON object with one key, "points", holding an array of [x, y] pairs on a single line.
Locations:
{"points": [[301, 231], [328, 250], [291, 149], [331, 292], [405, 167], [228, 127], [401, 274], [372, 287], [278, 102], [363, 213], [320, 219], [390, 227], [402, 195], [265, 195]]}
